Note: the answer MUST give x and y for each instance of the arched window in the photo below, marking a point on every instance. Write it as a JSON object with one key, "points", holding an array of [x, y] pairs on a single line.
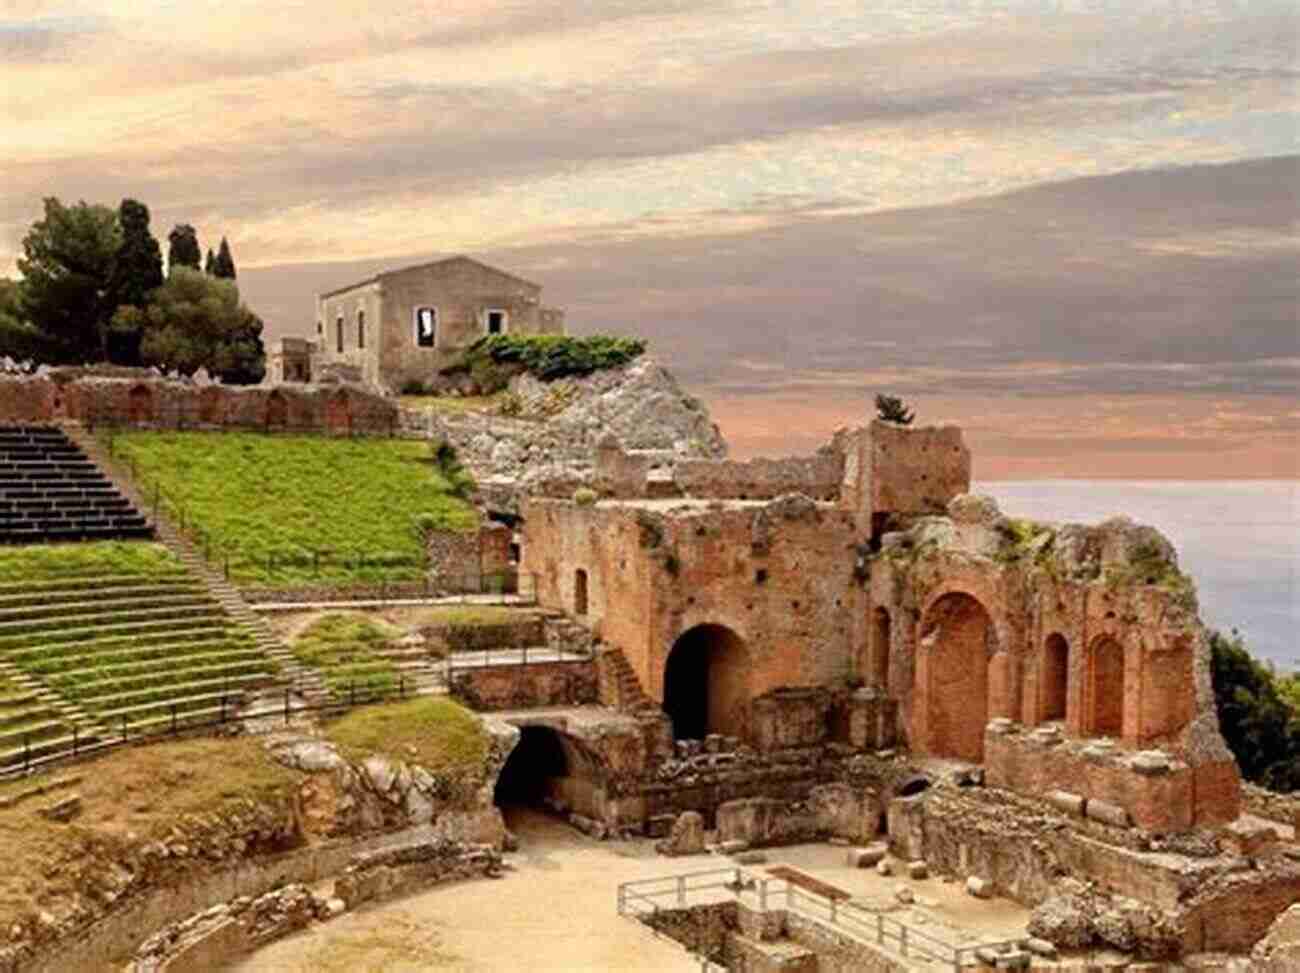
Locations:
{"points": [[361, 329], [580, 592], [880, 668], [339, 333], [426, 327]]}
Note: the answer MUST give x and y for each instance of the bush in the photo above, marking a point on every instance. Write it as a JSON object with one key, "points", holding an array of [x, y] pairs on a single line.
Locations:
{"points": [[584, 496], [546, 356], [413, 386], [1261, 729], [511, 405]]}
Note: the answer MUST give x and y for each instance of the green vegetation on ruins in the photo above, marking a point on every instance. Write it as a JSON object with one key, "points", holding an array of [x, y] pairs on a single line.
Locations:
{"points": [[345, 649], [52, 562], [492, 360], [438, 734], [1259, 714], [291, 510]]}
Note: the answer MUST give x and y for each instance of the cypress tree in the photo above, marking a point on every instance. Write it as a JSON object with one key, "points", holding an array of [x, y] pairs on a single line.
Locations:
{"points": [[210, 264], [224, 266], [183, 247], [137, 274]]}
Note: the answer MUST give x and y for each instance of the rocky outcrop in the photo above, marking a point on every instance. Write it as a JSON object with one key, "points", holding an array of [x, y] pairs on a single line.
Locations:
{"points": [[1279, 950], [1078, 916]]}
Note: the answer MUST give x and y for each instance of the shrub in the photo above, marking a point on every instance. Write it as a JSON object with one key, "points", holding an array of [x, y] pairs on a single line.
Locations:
{"points": [[545, 356], [413, 386], [510, 405], [584, 496]]}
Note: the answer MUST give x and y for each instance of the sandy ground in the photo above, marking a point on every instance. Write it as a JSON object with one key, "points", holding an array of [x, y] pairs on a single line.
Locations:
{"points": [[555, 911]]}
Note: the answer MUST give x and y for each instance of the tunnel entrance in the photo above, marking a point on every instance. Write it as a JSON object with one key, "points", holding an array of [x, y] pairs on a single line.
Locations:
{"points": [[706, 683], [530, 772]]}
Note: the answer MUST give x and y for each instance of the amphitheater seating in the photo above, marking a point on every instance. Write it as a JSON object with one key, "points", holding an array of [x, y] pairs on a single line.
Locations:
{"points": [[50, 491], [115, 654]]}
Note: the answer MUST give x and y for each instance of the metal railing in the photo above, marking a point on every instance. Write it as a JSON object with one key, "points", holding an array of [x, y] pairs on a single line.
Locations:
{"points": [[650, 896], [356, 422], [85, 742]]}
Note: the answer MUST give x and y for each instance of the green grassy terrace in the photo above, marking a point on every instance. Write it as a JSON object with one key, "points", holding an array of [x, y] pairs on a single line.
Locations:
{"points": [[54, 562], [345, 649], [270, 502]]}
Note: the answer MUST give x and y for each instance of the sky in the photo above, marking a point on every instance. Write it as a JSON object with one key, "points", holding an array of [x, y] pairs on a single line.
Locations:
{"points": [[1068, 225]]}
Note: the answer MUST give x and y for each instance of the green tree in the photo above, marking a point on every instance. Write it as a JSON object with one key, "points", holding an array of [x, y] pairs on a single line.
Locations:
{"points": [[1260, 728], [18, 339], [68, 267], [138, 273], [224, 266], [183, 248], [892, 409], [210, 263], [197, 321]]}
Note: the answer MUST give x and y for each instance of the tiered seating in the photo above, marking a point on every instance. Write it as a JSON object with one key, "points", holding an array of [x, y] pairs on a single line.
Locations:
{"points": [[50, 491], [132, 652]]}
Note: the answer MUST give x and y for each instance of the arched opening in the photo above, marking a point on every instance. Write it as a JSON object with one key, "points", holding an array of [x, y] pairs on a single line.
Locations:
{"points": [[958, 640], [706, 683], [580, 592], [531, 771], [338, 413], [880, 667], [1054, 676], [277, 410], [140, 404], [210, 407], [1106, 688]]}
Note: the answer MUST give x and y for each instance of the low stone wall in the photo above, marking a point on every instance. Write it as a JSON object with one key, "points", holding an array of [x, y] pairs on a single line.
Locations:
{"points": [[1232, 915], [152, 401], [1147, 789], [1271, 806], [817, 476], [828, 811], [524, 686], [836, 951], [221, 934]]}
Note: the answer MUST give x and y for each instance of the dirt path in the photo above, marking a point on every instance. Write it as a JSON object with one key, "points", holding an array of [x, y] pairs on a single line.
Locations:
{"points": [[554, 912]]}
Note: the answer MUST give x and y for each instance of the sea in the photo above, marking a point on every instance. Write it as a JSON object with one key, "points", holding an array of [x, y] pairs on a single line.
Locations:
{"points": [[1238, 539]]}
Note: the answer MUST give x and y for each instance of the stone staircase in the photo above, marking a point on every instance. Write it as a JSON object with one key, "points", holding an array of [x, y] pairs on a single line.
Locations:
{"points": [[619, 685], [304, 681], [420, 673]]}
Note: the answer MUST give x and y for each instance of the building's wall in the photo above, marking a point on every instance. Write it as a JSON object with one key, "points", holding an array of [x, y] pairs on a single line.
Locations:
{"points": [[347, 304], [462, 291]]}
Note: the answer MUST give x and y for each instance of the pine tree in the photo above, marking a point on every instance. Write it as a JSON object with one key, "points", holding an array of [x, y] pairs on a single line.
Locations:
{"points": [[892, 409], [210, 264], [183, 247], [224, 266], [137, 274]]}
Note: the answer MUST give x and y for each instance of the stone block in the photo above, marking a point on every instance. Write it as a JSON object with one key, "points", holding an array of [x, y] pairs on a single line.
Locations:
{"points": [[1067, 802], [904, 895], [1040, 947], [686, 837], [1150, 763], [752, 857], [734, 847], [659, 825], [64, 810], [884, 868], [917, 870], [865, 857], [980, 888], [1108, 813]]}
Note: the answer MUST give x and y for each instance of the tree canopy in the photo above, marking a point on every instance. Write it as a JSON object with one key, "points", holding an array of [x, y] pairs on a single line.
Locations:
{"points": [[68, 265], [1259, 724], [139, 272], [183, 248], [197, 321]]}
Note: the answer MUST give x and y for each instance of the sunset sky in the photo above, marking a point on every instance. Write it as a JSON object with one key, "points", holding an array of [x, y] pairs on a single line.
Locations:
{"points": [[1068, 225]]}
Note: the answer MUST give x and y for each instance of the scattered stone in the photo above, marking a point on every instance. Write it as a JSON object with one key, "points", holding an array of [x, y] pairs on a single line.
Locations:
{"points": [[884, 868], [686, 837], [1067, 802], [917, 870], [838, 842], [980, 888], [734, 847], [1040, 947], [752, 857], [1150, 763], [335, 907], [1107, 813], [64, 810], [865, 857], [904, 895]]}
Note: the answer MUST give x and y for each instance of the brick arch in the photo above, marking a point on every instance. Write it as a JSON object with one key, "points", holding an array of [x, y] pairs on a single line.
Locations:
{"points": [[954, 695], [1053, 678], [140, 404], [547, 762], [1107, 687], [277, 410], [707, 683], [1168, 698]]}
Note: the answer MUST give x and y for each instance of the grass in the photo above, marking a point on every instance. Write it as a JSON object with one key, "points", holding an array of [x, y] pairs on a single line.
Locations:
{"points": [[440, 735], [128, 797], [53, 562], [470, 615], [273, 502], [344, 648]]}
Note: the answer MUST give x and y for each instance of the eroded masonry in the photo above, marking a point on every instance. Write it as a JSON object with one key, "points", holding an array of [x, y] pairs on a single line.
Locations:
{"points": [[803, 647]]}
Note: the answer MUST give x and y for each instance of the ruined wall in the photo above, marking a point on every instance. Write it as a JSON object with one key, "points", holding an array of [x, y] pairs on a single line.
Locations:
{"points": [[777, 575], [523, 686], [817, 476], [163, 403], [893, 469]]}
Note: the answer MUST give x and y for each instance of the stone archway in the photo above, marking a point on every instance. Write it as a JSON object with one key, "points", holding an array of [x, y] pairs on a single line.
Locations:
{"points": [[1106, 685], [528, 777], [706, 683], [1054, 677], [957, 641], [140, 405]]}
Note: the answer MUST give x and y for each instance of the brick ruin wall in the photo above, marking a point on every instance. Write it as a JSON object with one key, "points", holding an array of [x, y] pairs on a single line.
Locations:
{"points": [[525, 685], [158, 402]]}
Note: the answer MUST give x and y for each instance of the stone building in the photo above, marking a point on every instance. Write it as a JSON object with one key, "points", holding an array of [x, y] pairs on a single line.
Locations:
{"points": [[402, 326]]}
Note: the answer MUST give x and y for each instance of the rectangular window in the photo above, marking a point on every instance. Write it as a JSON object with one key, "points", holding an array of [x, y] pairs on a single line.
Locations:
{"points": [[339, 336], [426, 327], [361, 329], [496, 321]]}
